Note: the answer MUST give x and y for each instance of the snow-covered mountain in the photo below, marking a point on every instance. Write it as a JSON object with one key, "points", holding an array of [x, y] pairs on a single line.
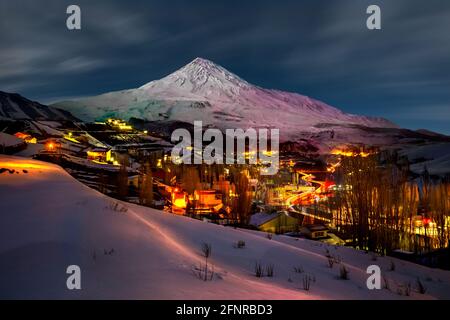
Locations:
{"points": [[15, 107], [203, 90]]}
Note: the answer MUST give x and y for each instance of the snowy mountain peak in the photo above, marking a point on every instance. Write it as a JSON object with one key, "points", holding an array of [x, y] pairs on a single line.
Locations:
{"points": [[200, 78], [200, 68], [202, 62]]}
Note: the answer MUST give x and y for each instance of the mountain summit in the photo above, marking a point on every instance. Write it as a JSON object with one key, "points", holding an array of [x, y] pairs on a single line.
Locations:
{"points": [[203, 90], [202, 77]]}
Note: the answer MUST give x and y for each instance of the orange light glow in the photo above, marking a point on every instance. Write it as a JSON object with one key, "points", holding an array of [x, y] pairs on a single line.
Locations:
{"points": [[180, 203], [349, 153], [26, 137], [26, 165], [52, 146]]}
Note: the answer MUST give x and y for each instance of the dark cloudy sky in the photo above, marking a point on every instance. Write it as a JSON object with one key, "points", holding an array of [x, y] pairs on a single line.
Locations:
{"points": [[319, 48]]}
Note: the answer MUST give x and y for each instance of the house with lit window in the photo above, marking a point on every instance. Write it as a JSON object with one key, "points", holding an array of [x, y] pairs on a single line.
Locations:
{"points": [[315, 231], [207, 201], [52, 146], [119, 124], [179, 201], [99, 154], [277, 222]]}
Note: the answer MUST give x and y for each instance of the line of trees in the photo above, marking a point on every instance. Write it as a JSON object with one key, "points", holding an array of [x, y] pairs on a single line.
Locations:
{"points": [[378, 205]]}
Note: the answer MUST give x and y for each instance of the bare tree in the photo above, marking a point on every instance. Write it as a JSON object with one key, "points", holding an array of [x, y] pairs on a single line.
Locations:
{"points": [[122, 179], [243, 199], [146, 185]]}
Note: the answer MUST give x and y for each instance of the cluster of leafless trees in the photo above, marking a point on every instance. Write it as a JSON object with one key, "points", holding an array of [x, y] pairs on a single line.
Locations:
{"points": [[383, 207]]}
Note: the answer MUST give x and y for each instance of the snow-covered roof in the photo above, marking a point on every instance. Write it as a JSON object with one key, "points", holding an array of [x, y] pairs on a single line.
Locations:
{"points": [[261, 218], [8, 140]]}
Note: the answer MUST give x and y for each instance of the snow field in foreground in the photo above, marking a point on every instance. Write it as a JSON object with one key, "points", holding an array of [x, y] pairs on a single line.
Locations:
{"points": [[48, 221]]}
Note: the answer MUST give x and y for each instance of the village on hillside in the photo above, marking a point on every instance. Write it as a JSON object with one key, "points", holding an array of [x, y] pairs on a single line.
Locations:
{"points": [[312, 196]]}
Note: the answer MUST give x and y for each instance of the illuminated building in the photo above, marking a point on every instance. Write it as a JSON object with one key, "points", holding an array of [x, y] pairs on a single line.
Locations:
{"points": [[52, 146], [26, 137], [99, 154]]}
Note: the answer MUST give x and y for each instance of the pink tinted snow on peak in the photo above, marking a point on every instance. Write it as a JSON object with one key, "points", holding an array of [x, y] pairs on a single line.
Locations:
{"points": [[200, 79]]}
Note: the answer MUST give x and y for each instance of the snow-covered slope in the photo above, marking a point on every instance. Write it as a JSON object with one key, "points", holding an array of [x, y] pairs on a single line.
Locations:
{"points": [[202, 90], [433, 157], [7, 140], [15, 107], [48, 221]]}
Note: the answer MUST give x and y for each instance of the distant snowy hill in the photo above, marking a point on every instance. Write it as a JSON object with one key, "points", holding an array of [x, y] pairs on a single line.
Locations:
{"points": [[126, 251], [435, 158], [15, 107], [203, 90]]}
